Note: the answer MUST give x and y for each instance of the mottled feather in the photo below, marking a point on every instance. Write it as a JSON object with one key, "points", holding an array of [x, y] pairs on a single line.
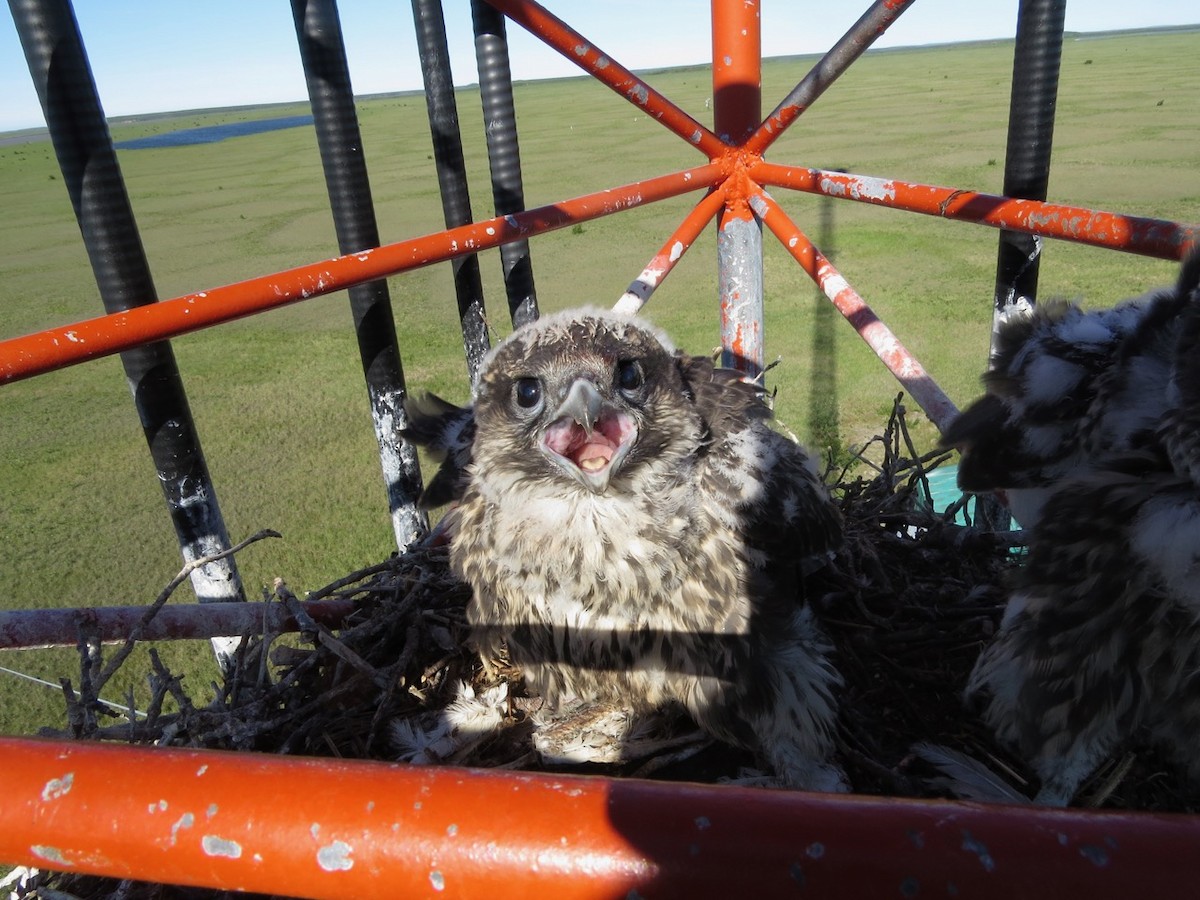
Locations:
{"points": [[1101, 634]]}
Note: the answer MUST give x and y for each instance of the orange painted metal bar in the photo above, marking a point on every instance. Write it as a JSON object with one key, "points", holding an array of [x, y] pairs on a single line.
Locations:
{"points": [[1132, 234], [54, 348], [318, 828], [30, 628], [874, 22], [737, 107], [554, 32], [737, 68], [898, 359], [670, 253]]}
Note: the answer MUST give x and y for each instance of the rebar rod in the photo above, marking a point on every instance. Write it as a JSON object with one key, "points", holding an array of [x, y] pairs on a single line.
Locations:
{"points": [[327, 73], [504, 154], [452, 173], [83, 144]]}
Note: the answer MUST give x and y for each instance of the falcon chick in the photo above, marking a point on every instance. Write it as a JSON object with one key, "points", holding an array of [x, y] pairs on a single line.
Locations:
{"points": [[637, 535], [1101, 634], [1067, 387]]}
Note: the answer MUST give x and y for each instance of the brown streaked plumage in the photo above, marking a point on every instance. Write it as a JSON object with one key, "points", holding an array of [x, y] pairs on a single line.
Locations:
{"points": [[638, 535], [1101, 635]]}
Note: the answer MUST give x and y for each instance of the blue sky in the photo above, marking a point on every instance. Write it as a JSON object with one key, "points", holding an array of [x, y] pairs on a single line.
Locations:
{"points": [[153, 56]]}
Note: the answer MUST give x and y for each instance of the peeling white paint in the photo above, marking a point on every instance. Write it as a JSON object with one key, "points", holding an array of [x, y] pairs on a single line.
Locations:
{"points": [[200, 771], [793, 241], [601, 62], [160, 806], [861, 187], [437, 880], [211, 811], [834, 285], [581, 49], [490, 230], [677, 250], [50, 854], [630, 302], [58, 787], [187, 820], [217, 846], [335, 857], [73, 337]]}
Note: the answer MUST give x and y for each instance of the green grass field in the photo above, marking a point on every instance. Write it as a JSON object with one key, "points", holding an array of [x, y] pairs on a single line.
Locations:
{"points": [[279, 400]]}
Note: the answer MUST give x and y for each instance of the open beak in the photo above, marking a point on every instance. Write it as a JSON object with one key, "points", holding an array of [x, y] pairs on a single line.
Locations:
{"points": [[588, 438]]}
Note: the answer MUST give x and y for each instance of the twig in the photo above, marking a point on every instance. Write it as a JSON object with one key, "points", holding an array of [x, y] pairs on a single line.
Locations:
{"points": [[148, 616]]}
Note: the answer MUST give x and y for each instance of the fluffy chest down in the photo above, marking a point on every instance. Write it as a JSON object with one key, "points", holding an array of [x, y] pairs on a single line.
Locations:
{"points": [[540, 553]]}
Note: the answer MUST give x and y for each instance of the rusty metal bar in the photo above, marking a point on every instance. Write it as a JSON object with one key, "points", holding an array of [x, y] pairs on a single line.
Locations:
{"points": [[1132, 234], [327, 72], [336, 828], [54, 348], [737, 107], [899, 361], [873, 23], [551, 30], [671, 252], [451, 172], [504, 154], [36, 628], [83, 144]]}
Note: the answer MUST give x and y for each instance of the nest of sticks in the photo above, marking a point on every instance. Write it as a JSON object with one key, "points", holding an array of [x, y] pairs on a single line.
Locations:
{"points": [[908, 603]]}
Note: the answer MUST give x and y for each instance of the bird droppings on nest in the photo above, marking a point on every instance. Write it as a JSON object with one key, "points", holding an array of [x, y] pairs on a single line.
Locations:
{"points": [[908, 604]]}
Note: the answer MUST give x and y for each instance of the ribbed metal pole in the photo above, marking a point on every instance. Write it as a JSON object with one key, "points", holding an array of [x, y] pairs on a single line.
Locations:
{"points": [[1036, 61], [62, 76], [323, 53], [737, 109], [452, 171], [504, 153]]}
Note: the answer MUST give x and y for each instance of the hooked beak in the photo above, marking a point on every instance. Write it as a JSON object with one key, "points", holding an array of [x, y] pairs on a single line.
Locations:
{"points": [[588, 439]]}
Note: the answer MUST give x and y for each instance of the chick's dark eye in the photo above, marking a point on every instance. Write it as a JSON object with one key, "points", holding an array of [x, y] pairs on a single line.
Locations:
{"points": [[528, 392], [629, 375]]}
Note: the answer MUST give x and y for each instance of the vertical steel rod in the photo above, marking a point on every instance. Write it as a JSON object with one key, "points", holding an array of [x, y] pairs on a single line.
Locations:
{"points": [[323, 53], [452, 172], [63, 78], [1036, 60], [504, 154], [737, 109]]}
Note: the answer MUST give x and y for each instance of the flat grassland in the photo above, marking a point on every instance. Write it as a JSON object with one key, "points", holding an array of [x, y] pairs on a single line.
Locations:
{"points": [[279, 400]]}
